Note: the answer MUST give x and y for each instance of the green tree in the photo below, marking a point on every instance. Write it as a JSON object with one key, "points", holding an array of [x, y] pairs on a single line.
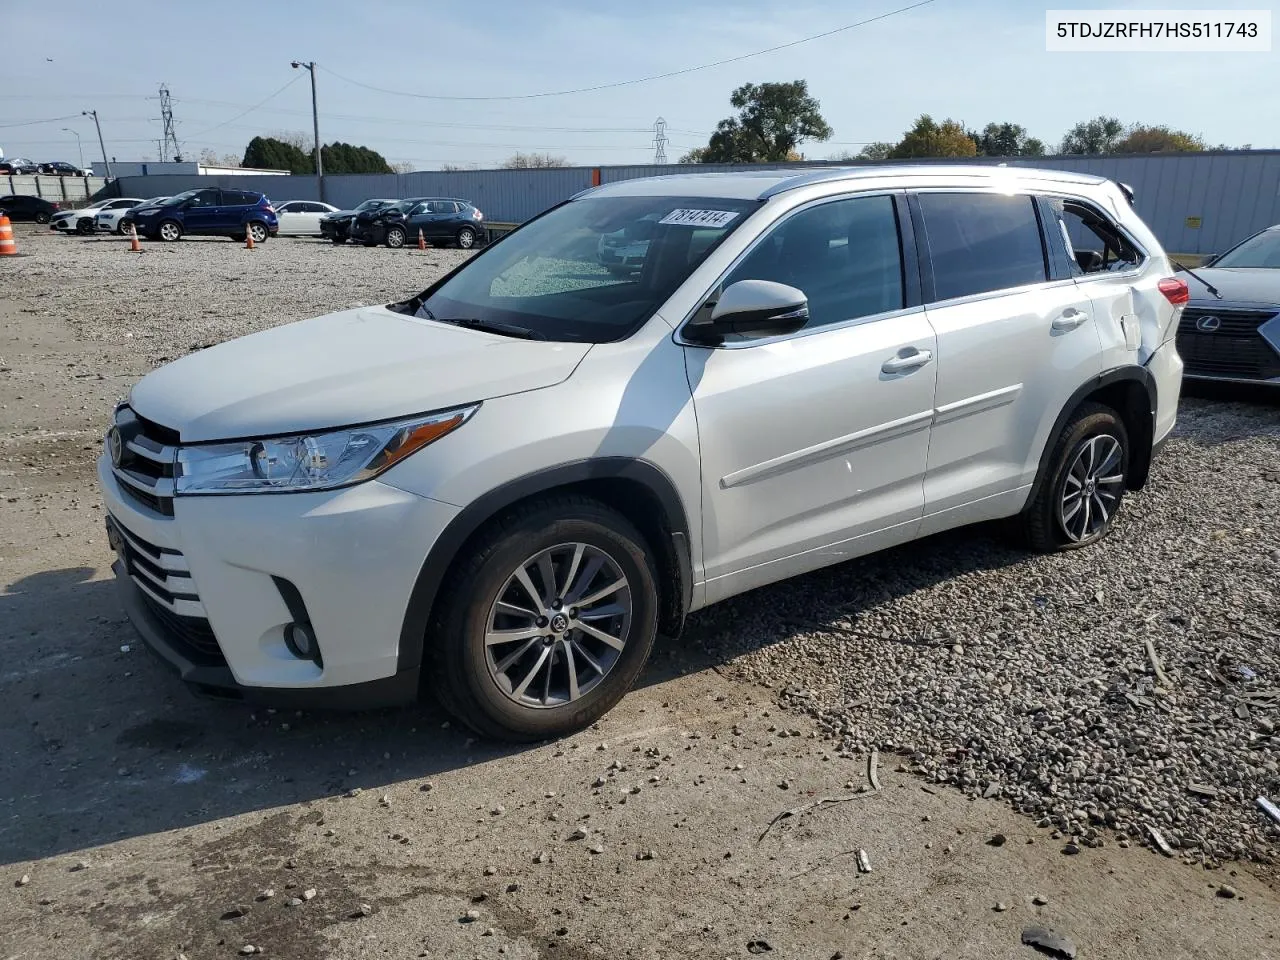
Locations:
{"points": [[773, 120], [1158, 139], [272, 154], [926, 138], [348, 158], [880, 150], [1099, 135], [1006, 140]]}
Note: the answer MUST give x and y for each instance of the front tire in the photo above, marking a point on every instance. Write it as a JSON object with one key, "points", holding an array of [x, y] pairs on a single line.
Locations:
{"points": [[122, 228], [84, 227], [169, 231], [1081, 496], [546, 620], [395, 238]]}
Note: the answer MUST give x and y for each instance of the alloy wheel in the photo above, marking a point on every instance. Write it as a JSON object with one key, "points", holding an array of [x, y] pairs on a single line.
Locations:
{"points": [[1092, 488], [170, 231], [558, 625], [258, 232], [466, 238]]}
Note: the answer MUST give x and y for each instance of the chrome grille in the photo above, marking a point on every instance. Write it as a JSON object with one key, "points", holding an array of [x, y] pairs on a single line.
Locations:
{"points": [[146, 463]]}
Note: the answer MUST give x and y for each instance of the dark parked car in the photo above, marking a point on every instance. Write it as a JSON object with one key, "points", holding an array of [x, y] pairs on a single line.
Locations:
{"points": [[212, 211], [1235, 336], [18, 165], [60, 168], [440, 220], [337, 226], [28, 208]]}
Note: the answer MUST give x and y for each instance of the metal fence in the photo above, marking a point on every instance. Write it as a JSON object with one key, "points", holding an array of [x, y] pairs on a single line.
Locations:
{"points": [[52, 188], [1195, 203]]}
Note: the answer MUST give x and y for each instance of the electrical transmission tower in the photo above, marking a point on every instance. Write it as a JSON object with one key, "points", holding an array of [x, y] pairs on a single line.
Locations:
{"points": [[659, 141], [169, 145]]}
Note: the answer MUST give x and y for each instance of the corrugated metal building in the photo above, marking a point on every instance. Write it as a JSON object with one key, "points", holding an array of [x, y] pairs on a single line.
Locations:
{"points": [[1195, 202]]}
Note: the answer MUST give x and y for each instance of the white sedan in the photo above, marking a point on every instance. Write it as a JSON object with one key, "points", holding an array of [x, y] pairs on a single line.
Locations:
{"points": [[78, 221], [108, 218], [301, 218]]}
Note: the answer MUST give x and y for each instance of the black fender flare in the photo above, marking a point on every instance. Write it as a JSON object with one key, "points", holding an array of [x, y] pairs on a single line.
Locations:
{"points": [[1142, 443], [674, 549]]}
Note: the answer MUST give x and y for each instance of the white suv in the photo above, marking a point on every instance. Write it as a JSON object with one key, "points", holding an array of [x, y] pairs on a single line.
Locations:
{"points": [[503, 488]]}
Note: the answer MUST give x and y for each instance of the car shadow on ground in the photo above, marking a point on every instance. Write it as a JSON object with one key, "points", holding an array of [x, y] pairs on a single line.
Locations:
{"points": [[100, 742]]}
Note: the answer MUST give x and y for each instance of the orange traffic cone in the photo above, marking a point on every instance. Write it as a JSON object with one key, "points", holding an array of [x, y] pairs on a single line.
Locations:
{"points": [[134, 245], [248, 240], [422, 241], [8, 247]]}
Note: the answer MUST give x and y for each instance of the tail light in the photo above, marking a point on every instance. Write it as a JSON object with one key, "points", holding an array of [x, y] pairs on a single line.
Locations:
{"points": [[1175, 291]]}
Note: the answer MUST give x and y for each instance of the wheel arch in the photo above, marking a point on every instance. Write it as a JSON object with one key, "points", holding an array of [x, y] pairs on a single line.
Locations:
{"points": [[637, 489], [1131, 392]]}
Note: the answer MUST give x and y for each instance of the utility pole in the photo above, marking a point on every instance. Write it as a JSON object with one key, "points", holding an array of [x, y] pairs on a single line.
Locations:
{"points": [[315, 124], [105, 162]]}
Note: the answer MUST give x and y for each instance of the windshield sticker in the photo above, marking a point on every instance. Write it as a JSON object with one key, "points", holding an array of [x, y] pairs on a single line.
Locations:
{"points": [[700, 218]]}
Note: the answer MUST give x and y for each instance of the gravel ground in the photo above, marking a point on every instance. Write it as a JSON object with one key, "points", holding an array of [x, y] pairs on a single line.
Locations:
{"points": [[1005, 675]]}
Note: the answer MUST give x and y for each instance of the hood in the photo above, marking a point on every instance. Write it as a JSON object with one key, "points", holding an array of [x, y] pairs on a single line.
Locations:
{"points": [[1244, 285], [353, 367]]}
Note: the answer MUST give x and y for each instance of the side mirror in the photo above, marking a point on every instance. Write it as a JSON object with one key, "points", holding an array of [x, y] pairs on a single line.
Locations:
{"points": [[1209, 260], [757, 307]]}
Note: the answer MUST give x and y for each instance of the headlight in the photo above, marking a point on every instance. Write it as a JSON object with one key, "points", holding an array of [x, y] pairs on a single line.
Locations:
{"points": [[318, 461]]}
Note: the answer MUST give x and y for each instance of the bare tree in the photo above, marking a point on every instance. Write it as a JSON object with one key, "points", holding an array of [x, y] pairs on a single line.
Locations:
{"points": [[531, 161], [402, 166]]}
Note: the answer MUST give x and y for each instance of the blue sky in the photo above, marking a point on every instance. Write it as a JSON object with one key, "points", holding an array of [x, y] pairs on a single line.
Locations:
{"points": [[973, 61]]}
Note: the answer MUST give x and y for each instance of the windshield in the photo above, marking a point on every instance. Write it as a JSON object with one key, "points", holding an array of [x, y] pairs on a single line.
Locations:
{"points": [[371, 205], [1260, 250], [592, 270], [177, 199]]}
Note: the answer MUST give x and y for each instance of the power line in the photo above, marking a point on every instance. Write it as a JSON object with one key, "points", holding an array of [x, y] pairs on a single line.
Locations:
{"points": [[627, 83], [28, 123], [250, 110]]}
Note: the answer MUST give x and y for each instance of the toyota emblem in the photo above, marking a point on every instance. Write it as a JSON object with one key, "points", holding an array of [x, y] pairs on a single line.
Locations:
{"points": [[115, 445], [1208, 324]]}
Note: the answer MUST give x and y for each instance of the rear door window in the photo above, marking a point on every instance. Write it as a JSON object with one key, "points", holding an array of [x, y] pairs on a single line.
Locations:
{"points": [[982, 242]]}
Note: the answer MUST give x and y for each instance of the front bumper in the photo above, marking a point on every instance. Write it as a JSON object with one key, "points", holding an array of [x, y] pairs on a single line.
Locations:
{"points": [[206, 594]]}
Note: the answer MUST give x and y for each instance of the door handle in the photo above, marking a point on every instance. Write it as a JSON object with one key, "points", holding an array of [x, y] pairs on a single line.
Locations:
{"points": [[1071, 320], [902, 363]]}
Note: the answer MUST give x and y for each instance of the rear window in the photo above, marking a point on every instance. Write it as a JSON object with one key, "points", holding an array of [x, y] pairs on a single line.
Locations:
{"points": [[239, 198], [982, 242]]}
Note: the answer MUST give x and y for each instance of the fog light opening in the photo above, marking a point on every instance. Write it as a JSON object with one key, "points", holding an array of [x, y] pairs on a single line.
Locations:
{"points": [[301, 641]]}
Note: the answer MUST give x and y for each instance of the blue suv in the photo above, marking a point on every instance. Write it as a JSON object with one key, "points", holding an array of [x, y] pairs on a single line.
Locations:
{"points": [[210, 211]]}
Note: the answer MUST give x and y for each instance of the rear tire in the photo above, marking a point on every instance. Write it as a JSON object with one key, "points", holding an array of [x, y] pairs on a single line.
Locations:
{"points": [[1077, 503], [480, 683], [43, 217], [169, 231], [258, 231], [466, 238]]}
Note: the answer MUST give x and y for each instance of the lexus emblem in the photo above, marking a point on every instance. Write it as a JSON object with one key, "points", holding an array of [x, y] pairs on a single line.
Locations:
{"points": [[115, 445], [1208, 324]]}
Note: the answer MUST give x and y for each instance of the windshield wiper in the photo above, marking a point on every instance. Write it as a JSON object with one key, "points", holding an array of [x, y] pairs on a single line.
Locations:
{"points": [[1207, 285], [493, 326]]}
